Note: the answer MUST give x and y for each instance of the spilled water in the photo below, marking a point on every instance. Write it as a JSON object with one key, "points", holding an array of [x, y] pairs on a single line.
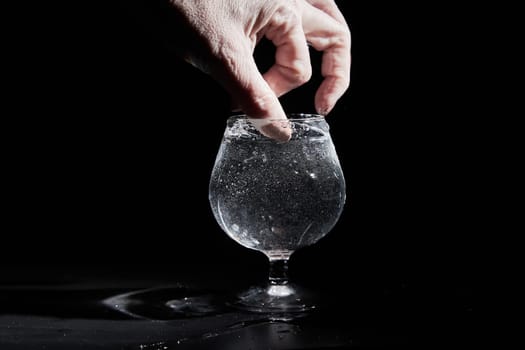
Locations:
{"points": [[168, 303], [185, 317], [209, 317]]}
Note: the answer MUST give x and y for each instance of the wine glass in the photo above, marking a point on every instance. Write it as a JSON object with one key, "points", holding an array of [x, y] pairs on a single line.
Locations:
{"points": [[276, 197]]}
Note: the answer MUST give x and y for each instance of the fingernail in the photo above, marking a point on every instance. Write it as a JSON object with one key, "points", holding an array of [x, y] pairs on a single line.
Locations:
{"points": [[279, 131], [275, 129]]}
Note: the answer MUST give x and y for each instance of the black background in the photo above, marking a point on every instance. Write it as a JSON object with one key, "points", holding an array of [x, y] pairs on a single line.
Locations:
{"points": [[111, 140]]}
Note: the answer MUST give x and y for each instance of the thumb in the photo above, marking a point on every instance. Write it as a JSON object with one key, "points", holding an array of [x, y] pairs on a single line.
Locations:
{"points": [[255, 97]]}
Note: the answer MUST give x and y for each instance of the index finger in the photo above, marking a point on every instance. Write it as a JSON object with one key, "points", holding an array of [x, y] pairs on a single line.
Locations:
{"points": [[292, 66]]}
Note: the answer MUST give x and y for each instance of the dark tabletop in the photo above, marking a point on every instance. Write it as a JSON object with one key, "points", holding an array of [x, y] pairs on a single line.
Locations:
{"points": [[79, 309]]}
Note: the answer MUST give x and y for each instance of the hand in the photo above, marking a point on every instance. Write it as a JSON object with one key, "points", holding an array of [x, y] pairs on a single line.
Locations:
{"points": [[225, 33]]}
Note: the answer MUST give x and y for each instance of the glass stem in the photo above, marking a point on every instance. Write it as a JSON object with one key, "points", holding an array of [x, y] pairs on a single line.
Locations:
{"points": [[278, 272]]}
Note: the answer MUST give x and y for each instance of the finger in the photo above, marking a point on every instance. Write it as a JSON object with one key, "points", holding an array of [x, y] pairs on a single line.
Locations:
{"points": [[329, 7], [239, 74], [326, 34], [292, 66], [336, 72]]}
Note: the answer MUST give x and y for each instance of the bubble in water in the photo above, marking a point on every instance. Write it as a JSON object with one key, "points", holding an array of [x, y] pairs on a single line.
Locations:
{"points": [[277, 230]]}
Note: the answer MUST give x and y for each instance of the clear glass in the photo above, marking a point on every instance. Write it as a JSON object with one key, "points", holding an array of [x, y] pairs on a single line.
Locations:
{"points": [[276, 197]]}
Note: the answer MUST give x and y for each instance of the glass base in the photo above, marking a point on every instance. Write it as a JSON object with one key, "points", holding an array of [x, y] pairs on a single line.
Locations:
{"points": [[275, 299]]}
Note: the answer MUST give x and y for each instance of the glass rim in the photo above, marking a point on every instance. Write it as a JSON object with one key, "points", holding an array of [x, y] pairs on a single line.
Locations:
{"points": [[291, 117]]}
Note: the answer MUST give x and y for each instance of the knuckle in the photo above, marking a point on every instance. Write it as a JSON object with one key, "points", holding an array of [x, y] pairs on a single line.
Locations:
{"points": [[301, 72], [347, 37], [287, 15], [324, 5], [342, 38], [343, 33]]}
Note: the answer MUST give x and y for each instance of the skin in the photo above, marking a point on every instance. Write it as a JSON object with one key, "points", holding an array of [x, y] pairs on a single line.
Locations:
{"points": [[225, 32]]}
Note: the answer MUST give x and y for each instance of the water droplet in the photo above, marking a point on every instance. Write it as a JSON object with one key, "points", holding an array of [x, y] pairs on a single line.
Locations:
{"points": [[277, 230]]}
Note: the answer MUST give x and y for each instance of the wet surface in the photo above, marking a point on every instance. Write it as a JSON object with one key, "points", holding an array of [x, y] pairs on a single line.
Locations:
{"points": [[132, 314]]}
